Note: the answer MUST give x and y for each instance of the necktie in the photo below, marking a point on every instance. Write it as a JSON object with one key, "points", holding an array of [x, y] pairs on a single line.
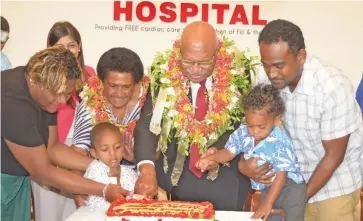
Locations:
{"points": [[200, 112]]}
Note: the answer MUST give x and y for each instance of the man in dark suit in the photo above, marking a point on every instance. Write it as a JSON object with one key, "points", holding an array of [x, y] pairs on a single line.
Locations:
{"points": [[199, 47]]}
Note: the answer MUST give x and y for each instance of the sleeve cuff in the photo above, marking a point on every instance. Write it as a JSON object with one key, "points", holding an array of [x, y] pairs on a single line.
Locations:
{"points": [[143, 162], [351, 129]]}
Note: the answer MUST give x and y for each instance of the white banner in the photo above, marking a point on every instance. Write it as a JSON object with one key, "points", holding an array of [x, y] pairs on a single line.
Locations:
{"points": [[333, 31]]}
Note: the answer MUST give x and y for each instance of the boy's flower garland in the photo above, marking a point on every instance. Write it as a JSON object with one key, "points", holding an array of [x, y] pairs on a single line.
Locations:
{"points": [[173, 107], [94, 102]]}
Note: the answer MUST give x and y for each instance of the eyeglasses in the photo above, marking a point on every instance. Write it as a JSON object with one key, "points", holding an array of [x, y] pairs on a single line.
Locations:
{"points": [[202, 64]]}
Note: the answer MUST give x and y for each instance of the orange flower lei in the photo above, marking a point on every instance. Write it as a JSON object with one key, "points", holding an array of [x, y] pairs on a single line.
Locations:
{"points": [[225, 104], [170, 96], [94, 102]]}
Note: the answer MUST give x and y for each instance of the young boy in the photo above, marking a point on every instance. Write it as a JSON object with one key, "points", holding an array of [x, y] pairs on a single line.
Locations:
{"points": [[262, 137], [107, 149]]}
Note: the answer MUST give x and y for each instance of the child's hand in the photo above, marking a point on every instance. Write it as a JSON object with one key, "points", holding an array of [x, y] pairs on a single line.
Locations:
{"points": [[206, 161], [202, 164], [206, 164], [263, 211]]}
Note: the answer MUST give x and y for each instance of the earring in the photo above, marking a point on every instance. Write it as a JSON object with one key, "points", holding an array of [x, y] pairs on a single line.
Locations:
{"points": [[31, 82]]}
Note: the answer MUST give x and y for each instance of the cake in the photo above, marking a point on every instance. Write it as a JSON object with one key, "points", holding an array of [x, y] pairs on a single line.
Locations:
{"points": [[159, 210]]}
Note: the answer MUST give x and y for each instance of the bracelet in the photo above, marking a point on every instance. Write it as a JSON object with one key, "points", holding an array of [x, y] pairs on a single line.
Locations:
{"points": [[104, 191]]}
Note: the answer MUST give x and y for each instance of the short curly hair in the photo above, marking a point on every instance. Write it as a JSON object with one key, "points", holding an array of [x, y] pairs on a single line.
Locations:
{"points": [[264, 97], [122, 60], [52, 67], [282, 30]]}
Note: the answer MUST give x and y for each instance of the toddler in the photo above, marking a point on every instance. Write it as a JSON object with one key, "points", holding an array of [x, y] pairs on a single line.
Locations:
{"points": [[262, 137], [107, 149]]}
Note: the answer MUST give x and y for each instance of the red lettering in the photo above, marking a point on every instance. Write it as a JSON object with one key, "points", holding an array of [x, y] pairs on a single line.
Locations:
{"points": [[255, 16], [152, 11], [170, 15], [239, 15], [220, 11], [146, 11], [117, 10], [185, 13], [205, 12]]}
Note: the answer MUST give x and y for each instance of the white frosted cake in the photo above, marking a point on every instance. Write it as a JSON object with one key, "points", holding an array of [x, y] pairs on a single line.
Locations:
{"points": [[158, 210]]}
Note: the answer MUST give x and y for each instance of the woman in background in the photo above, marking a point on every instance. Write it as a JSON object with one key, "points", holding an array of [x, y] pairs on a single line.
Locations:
{"points": [[51, 204], [64, 34]]}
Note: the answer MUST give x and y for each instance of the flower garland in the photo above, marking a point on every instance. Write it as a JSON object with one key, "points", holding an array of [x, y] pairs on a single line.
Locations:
{"points": [[94, 102], [231, 80]]}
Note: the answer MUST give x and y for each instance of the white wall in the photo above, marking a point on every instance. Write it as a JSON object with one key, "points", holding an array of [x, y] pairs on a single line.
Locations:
{"points": [[333, 30]]}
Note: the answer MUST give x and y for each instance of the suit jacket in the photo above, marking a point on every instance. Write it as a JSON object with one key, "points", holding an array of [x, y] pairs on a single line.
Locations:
{"points": [[145, 142]]}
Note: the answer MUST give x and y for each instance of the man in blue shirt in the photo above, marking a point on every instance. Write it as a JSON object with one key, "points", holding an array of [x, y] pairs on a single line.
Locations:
{"points": [[5, 30], [359, 94]]}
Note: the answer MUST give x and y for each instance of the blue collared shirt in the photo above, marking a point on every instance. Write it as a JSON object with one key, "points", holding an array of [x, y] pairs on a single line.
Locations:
{"points": [[5, 62], [276, 149], [359, 94]]}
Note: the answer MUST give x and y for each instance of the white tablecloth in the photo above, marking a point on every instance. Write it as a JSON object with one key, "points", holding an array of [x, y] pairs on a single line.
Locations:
{"points": [[98, 214]]}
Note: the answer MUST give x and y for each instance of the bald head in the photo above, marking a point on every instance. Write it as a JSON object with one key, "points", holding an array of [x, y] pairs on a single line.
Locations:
{"points": [[199, 35], [198, 45], [100, 129]]}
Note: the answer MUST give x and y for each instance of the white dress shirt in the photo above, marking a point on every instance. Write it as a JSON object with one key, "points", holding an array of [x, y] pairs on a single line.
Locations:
{"points": [[195, 87]]}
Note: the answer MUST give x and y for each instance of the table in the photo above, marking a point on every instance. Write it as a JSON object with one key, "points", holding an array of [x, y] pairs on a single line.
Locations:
{"points": [[98, 214]]}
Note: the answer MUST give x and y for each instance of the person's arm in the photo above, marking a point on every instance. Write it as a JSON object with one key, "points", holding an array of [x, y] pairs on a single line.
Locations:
{"points": [[65, 157], [250, 169], [333, 157], [80, 143], [21, 132], [217, 146], [43, 171], [222, 156], [340, 117], [79, 151], [79, 200], [211, 161], [228, 141], [264, 209], [145, 143]]}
